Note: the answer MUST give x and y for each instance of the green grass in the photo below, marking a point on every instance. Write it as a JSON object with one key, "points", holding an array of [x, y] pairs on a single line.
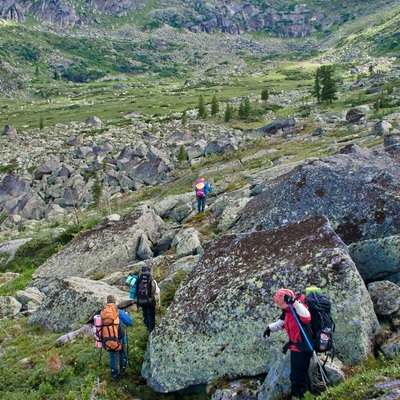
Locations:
{"points": [[34, 367], [360, 384]]}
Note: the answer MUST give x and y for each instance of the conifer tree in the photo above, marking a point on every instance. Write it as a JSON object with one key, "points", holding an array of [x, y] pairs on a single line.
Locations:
{"points": [[247, 108], [324, 84], [228, 113], [329, 89], [202, 108], [214, 106], [182, 155], [316, 91], [184, 117], [265, 95], [241, 110]]}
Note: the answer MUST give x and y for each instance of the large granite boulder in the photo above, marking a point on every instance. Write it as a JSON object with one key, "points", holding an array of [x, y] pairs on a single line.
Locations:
{"points": [[377, 259], [17, 197], [73, 302], [101, 250], [356, 189], [215, 323], [9, 307]]}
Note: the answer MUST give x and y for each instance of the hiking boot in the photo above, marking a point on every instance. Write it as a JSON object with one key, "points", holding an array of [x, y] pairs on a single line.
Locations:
{"points": [[123, 372], [114, 375]]}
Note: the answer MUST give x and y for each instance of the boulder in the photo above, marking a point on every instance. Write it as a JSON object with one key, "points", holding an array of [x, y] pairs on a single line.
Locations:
{"points": [[18, 198], [377, 259], [11, 247], [47, 168], [74, 140], [231, 214], [101, 250], [392, 144], [9, 307], [381, 128], [30, 299], [58, 312], [187, 242], [273, 128], [149, 172], [386, 298], [356, 189], [214, 326], [354, 116], [95, 121], [9, 131], [164, 207]]}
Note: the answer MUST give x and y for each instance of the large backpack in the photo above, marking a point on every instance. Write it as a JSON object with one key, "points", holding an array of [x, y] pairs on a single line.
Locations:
{"points": [[200, 189], [112, 331], [145, 289], [322, 324]]}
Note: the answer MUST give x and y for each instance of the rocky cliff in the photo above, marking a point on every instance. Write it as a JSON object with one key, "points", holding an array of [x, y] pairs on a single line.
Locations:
{"points": [[233, 17]]}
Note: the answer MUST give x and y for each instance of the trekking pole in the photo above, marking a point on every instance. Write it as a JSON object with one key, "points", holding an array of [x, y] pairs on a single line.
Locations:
{"points": [[127, 347], [321, 368], [100, 356]]}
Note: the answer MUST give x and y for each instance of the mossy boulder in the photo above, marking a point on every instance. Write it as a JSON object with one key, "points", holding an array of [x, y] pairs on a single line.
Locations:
{"points": [[73, 302], [356, 189], [103, 249], [215, 324]]}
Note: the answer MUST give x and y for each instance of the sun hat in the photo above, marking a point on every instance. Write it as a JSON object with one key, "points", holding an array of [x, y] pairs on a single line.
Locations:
{"points": [[279, 295]]}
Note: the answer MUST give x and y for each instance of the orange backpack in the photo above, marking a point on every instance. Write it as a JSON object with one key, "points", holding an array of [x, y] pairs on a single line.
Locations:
{"points": [[112, 332]]}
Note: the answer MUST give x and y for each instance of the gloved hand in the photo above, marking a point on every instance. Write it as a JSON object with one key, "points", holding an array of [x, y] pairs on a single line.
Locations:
{"points": [[288, 299], [267, 332]]}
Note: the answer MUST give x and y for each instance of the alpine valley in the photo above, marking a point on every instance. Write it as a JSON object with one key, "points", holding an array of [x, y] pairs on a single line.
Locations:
{"points": [[110, 111]]}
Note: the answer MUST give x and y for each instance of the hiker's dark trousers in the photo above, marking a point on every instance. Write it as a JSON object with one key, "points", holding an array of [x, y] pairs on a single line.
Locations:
{"points": [[299, 365], [117, 357], [149, 315], [201, 203]]}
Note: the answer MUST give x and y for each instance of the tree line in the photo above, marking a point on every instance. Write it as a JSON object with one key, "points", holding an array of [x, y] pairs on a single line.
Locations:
{"points": [[324, 90]]}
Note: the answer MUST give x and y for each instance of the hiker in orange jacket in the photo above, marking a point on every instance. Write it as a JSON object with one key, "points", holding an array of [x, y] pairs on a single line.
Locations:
{"points": [[300, 353]]}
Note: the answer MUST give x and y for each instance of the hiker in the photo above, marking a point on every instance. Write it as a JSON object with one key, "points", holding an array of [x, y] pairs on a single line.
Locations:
{"points": [[146, 292], [202, 189], [114, 336], [300, 353]]}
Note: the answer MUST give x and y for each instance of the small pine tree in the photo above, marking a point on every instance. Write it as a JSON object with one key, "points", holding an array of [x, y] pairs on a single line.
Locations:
{"points": [[371, 69], [228, 113], [96, 193], [324, 84], [202, 108], [184, 117], [182, 154], [329, 88], [214, 106], [41, 123], [316, 91], [247, 108], [265, 95], [241, 110], [37, 71]]}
